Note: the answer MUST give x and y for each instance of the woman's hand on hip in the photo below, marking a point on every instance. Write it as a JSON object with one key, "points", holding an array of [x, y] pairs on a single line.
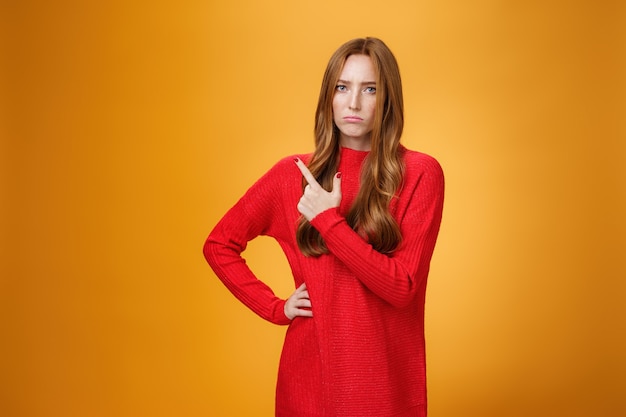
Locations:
{"points": [[298, 304]]}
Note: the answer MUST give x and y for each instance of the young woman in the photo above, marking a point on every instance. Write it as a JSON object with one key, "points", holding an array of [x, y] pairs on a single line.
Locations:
{"points": [[357, 221]]}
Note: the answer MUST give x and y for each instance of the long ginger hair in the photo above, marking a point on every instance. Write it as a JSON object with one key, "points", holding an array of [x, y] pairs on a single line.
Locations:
{"points": [[382, 172]]}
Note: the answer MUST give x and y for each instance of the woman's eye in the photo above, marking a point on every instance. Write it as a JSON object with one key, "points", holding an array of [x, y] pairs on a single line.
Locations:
{"points": [[341, 88], [370, 90]]}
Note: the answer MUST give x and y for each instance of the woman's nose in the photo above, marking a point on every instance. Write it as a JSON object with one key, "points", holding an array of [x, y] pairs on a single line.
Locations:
{"points": [[355, 101]]}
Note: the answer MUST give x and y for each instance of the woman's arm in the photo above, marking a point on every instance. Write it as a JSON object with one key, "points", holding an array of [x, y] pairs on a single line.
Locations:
{"points": [[255, 214], [397, 277]]}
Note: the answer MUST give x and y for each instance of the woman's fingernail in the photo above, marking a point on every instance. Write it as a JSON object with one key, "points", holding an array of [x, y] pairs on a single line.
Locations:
{"points": [[296, 160], [339, 175]]}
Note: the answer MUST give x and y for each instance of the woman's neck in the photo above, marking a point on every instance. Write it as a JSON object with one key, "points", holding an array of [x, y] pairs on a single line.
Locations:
{"points": [[357, 144]]}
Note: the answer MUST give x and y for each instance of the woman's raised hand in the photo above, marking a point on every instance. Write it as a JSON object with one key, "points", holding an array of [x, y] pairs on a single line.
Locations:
{"points": [[315, 198], [298, 304]]}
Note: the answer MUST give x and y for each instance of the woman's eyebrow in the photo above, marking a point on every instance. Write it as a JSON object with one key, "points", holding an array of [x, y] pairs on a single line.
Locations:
{"points": [[364, 82]]}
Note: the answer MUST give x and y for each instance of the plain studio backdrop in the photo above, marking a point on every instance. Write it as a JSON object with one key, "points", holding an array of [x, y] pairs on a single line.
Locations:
{"points": [[129, 128]]}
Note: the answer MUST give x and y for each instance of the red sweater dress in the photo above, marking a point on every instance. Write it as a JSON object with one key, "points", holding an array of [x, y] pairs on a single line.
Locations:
{"points": [[362, 353]]}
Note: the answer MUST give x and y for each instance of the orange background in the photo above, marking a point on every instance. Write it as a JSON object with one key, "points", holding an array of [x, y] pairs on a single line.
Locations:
{"points": [[128, 128]]}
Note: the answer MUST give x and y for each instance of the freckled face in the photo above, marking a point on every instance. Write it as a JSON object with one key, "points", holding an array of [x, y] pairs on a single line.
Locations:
{"points": [[354, 102]]}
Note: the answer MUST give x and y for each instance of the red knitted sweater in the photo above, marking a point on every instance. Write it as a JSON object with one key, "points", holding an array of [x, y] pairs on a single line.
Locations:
{"points": [[362, 353]]}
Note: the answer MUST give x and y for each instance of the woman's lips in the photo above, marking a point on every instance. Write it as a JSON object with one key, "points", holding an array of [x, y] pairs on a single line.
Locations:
{"points": [[352, 119]]}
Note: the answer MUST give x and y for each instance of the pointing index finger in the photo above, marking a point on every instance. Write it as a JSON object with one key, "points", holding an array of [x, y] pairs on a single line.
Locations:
{"points": [[306, 173]]}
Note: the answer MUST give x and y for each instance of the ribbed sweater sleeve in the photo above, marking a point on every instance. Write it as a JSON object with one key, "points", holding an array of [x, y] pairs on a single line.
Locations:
{"points": [[395, 278], [258, 212]]}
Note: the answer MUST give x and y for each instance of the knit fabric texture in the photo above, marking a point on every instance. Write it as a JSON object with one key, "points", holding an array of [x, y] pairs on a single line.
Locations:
{"points": [[363, 352]]}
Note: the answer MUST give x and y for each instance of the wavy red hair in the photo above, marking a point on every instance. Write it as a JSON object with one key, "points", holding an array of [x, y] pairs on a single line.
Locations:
{"points": [[382, 172]]}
